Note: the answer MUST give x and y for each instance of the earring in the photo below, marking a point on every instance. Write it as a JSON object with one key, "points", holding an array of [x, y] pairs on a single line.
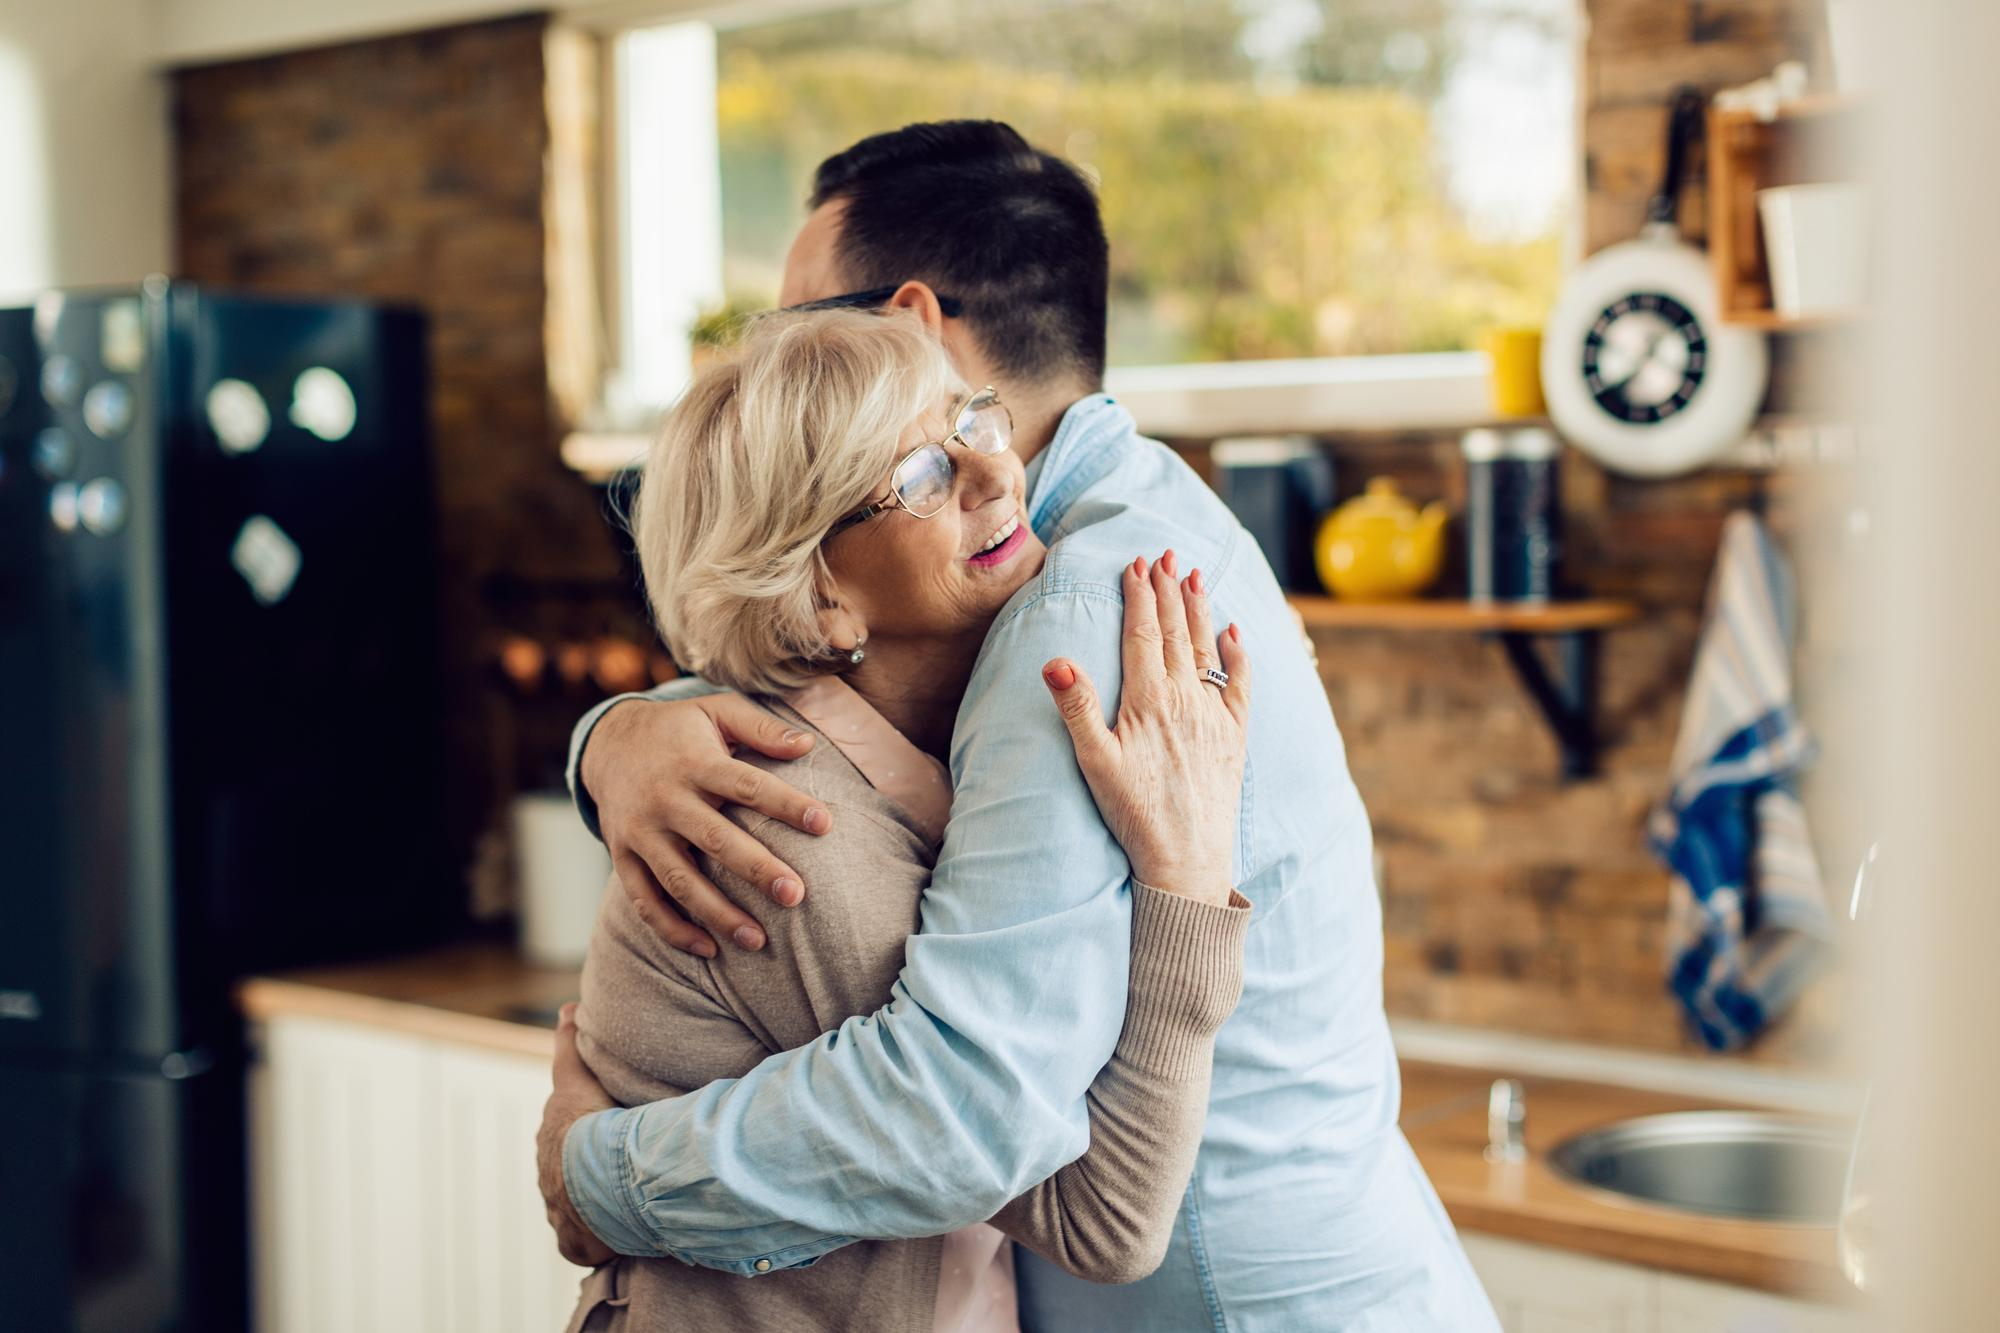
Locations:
{"points": [[854, 658]]}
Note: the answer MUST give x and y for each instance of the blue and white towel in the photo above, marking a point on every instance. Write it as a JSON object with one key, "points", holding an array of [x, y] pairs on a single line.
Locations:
{"points": [[1747, 920]]}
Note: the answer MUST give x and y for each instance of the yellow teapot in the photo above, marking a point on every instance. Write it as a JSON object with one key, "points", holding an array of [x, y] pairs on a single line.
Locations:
{"points": [[1378, 547]]}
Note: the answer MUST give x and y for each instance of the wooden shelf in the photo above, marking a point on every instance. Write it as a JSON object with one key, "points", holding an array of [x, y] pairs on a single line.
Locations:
{"points": [[1805, 108], [1564, 691], [1772, 322], [1809, 140], [601, 456], [1466, 617]]}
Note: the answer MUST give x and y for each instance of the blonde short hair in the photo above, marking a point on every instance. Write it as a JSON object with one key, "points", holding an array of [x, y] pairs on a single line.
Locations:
{"points": [[762, 455]]}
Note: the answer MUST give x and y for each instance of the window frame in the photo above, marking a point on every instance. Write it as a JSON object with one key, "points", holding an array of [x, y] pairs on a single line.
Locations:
{"points": [[1420, 391]]}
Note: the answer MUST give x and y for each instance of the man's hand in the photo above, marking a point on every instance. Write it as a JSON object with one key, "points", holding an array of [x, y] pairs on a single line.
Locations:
{"points": [[660, 772], [576, 1095]]}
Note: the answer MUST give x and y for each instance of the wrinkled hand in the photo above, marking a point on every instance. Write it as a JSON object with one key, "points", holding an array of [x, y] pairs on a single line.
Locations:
{"points": [[577, 1093], [1168, 775], [660, 772]]}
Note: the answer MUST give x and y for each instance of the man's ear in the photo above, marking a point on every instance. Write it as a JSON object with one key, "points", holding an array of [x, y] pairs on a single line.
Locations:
{"points": [[919, 297]]}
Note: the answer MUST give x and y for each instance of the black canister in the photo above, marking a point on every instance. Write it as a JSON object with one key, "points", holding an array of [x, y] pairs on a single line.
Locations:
{"points": [[1513, 514], [1278, 489]]}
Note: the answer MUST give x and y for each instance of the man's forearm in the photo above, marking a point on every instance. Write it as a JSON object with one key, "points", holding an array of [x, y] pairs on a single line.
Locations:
{"points": [[685, 687]]}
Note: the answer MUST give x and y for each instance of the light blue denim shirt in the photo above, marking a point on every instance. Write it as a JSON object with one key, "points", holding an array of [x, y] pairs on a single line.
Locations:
{"points": [[1306, 1209]]}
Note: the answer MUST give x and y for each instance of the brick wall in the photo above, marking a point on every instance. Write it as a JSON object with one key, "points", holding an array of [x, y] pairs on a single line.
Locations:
{"points": [[413, 169]]}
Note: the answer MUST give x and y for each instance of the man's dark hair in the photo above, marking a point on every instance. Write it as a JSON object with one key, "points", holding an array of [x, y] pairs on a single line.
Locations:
{"points": [[972, 209]]}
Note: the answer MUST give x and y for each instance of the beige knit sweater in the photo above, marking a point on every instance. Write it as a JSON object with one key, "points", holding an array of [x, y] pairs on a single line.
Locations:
{"points": [[655, 1023]]}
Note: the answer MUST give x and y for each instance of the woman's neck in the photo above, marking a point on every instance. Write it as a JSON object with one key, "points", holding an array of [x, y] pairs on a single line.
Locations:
{"points": [[917, 684]]}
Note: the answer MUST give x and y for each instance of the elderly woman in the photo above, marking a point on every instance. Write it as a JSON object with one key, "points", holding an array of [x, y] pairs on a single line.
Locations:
{"points": [[830, 523]]}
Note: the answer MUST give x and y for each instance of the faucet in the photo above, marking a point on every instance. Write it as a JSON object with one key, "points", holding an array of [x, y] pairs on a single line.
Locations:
{"points": [[1506, 1113]]}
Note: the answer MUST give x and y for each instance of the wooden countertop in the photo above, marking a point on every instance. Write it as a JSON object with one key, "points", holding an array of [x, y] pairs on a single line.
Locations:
{"points": [[483, 995], [479, 994]]}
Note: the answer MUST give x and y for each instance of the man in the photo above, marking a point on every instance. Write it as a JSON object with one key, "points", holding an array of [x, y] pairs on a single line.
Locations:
{"points": [[1307, 1209]]}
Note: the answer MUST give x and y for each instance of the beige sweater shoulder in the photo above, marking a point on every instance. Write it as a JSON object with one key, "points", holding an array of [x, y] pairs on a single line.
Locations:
{"points": [[655, 1023]]}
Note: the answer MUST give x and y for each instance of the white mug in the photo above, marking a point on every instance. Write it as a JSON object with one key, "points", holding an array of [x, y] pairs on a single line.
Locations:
{"points": [[560, 871], [1816, 241]]}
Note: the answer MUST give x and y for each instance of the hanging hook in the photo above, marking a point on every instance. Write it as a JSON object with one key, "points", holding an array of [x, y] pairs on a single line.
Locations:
{"points": [[1759, 499]]}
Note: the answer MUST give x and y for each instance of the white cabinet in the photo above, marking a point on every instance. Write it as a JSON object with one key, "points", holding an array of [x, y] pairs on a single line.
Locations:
{"points": [[1689, 1305], [394, 1186], [1536, 1289], [500, 1269]]}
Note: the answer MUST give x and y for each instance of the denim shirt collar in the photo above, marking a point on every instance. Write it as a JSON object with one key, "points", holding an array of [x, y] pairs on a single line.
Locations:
{"points": [[1082, 450]]}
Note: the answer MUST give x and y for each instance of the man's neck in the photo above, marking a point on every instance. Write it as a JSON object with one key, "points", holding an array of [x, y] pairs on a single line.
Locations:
{"points": [[917, 684], [1038, 413]]}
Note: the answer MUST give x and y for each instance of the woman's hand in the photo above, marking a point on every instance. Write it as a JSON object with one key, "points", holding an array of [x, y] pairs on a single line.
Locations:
{"points": [[1168, 775]]}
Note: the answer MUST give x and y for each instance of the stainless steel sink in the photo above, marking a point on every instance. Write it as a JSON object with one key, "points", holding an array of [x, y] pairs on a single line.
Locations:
{"points": [[1717, 1163]]}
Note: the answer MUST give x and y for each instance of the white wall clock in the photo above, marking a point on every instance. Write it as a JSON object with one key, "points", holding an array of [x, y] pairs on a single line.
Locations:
{"points": [[1639, 370]]}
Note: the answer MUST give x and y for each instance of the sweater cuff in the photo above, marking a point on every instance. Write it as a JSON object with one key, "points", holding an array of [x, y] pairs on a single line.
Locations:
{"points": [[1187, 974]]}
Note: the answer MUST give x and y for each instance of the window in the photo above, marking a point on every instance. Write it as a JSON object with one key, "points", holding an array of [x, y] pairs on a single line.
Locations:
{"points": [[1283, 181]]}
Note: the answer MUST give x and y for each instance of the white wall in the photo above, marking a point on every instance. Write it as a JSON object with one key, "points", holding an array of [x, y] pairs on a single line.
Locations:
{"points": [[1931, 933], [84, 165]]}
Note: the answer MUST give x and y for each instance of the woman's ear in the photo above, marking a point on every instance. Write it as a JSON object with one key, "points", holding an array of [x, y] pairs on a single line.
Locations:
{"points": [[843, 628], [919, 297]]}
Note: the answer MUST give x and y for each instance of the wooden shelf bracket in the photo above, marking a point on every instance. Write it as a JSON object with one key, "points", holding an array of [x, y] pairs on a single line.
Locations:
{"points": [[1567, 697]]}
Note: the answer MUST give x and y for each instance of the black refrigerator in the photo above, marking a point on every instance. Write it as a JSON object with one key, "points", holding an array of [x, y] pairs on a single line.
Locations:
{"points": [[219, 754]]}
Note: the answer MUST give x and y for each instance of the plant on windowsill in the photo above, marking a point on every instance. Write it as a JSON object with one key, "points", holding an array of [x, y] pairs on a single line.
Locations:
{"points": [[717, 328]]}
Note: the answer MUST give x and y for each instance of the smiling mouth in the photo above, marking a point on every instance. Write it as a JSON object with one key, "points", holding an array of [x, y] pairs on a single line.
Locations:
{"points": [[1001, 544]]}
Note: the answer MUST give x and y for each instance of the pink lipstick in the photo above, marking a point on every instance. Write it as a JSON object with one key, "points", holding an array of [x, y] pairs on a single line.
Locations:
{"points": [[1004, 550]]}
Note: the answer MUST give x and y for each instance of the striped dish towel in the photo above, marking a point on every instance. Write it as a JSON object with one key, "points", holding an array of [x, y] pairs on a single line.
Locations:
{"points": [[1747, 920]]}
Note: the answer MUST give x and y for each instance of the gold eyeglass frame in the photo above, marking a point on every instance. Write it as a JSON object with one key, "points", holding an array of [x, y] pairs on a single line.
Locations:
{"points": [[895, 500]]}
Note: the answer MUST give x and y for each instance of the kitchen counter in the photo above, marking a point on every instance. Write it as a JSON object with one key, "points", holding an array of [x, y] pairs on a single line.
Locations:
{"points": [[485, 996], [482, 995], [1444, 1117]]}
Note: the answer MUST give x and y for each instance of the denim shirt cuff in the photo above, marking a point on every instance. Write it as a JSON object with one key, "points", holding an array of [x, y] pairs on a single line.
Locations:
{"points": [[573, 770], [598, 1175], [762, 1265]]}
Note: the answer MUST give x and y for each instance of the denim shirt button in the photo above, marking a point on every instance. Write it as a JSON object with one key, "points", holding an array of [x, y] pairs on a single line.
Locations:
{"points": [[763, 1265]]}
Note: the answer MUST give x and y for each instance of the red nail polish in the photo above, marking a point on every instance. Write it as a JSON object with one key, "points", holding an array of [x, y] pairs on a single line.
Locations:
{"points": [[1234, 637], [1194, 583], [1167, 563]]}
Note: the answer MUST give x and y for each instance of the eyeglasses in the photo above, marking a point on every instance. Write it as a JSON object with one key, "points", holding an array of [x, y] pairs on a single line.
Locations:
{"points": [[949, 306], [922, 482]]}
